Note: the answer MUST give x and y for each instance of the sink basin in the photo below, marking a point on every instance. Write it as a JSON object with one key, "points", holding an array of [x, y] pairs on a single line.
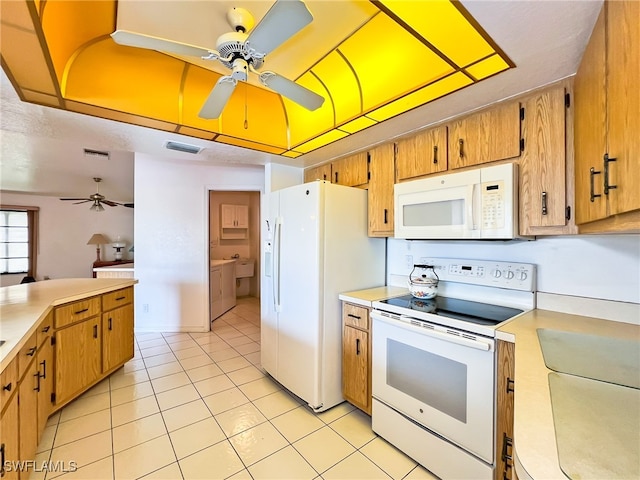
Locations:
{"points": [[606, 359]]}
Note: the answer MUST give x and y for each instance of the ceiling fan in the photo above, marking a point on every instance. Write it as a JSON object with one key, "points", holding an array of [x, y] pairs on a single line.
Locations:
{"points": [[242, 52], [97, 199]]}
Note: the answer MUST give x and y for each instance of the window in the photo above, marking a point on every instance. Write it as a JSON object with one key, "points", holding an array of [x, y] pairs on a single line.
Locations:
{"points": [[18, 227]]}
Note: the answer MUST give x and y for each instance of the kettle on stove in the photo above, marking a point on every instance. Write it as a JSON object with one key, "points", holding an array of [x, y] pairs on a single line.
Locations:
{"points": [[424, 284]]}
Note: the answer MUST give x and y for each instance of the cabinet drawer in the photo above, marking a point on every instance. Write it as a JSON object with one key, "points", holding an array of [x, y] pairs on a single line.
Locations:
{"points": [[355, 316], [45, 329], [8, 382], [27, 354], [117, 299], [73, 312]]}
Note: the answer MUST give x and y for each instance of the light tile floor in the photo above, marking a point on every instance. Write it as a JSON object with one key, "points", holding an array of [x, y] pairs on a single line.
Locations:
{"points": [[199, 406]]}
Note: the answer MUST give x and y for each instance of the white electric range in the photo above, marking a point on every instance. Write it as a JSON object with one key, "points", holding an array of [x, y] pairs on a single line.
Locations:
{"points": [[434, 364]]}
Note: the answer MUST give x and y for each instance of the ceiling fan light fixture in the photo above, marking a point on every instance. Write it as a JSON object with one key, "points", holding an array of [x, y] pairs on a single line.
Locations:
{"points": [[97, 206], [183, 147]]}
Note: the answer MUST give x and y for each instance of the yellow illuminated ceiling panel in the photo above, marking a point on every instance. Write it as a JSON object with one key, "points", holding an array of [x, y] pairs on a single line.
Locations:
{"points": [[386, 71], [490, 66], [303, 124], [336, 74], [444, 26], [398, 56], [61, 18], [427, 94], [320, 141], [131, 80], [358, 124]]}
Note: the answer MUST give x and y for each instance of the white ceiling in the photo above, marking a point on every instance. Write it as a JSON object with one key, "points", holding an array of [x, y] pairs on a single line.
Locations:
{"points": [[41, 148]]}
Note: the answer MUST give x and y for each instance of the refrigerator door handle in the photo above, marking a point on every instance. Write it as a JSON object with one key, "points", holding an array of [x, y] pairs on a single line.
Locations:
{"points": [[276, 260]]}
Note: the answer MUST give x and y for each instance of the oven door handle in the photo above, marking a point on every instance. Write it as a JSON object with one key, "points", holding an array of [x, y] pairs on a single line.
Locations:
{"points": [[444, 336]]}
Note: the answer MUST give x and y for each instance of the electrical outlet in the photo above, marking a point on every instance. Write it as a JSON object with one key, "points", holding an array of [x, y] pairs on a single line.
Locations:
{"points": [[145, 308], [409, 261]]}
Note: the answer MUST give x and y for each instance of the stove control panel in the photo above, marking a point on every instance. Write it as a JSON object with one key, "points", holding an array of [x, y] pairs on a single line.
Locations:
{"points": [[512, 275]]}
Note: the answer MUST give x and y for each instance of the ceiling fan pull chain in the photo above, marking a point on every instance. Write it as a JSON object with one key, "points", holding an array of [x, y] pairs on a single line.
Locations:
{"points": [[246, 117]]}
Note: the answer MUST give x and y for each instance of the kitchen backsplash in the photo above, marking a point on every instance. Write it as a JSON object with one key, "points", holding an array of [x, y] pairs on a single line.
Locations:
{"points": [[592, 266]]}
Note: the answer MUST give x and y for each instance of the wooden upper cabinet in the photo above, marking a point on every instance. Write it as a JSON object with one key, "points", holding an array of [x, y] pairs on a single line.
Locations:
{"points": [[321, 172], [234, 216], [350, 171], [422, 154], [623, 104], [543, 186], [607, 110], [487, 136], [380, 199]]}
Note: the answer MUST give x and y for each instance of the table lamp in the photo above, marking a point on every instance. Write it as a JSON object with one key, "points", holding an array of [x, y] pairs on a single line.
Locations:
{"points": [[98, 239]]}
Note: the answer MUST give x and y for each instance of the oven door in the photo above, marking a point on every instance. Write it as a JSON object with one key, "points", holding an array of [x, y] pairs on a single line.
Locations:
{"points": [[443, 381]]}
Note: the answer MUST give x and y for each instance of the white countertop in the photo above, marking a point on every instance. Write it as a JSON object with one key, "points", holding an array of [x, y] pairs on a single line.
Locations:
{"points": [[217, 262], [536, 448], [370, 295], [127, 267], [23, 306]]}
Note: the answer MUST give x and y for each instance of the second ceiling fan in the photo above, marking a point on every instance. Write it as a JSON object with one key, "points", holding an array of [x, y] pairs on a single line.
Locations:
{"points": [[242, 53]]}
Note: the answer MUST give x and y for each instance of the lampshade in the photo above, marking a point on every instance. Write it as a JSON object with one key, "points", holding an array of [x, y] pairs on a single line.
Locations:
{"points": [[98, 239]]}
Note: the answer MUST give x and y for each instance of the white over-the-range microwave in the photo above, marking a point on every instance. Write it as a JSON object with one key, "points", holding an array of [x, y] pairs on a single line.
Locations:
{"points": [[481, 203]]}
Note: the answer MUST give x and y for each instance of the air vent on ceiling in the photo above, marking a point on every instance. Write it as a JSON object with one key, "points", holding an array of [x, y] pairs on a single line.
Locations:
{"points": [[96, 153], [183, 147]]}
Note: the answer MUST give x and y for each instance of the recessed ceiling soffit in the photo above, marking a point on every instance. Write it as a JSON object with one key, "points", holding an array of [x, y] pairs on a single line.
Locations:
{"points": [[371, 61]]}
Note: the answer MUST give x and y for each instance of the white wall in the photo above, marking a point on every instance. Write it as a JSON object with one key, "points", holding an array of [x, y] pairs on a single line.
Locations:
{"points": [[64, 230], [172, 244], [593, 266]]}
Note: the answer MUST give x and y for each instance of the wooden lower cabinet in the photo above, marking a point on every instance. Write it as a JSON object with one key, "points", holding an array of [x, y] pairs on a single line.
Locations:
{"points": [[28, 408], [505, 408], [356, 356], [117, 337], [79, 341], [9, 439], [45, 372]]}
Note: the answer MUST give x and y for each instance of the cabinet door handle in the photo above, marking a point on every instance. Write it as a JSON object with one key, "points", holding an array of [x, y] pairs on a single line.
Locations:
{"points": [[44, 369], [357, 317], [120, 298], [607, 186], [46, 329], [336, 177], [435, 154], [510, 385], [7, 387], [31, 351], [81, 311], [95, 331], [385, 216], [2, 452], [461, 148], [37, 375], [506, 443], [324, 176], [110, 326], [357, 346], [592, 172], [544, 203]]}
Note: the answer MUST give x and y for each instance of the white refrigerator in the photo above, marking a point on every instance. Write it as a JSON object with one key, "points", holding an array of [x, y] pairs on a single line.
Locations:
{"points": [[317, 247]]}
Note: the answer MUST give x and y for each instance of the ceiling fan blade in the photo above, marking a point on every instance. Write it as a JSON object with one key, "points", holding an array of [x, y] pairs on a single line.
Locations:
{"points": [[109, 202], [287, 88], [83, 201], [76, 199], [218, 97], [132, 39], [284, 19]]}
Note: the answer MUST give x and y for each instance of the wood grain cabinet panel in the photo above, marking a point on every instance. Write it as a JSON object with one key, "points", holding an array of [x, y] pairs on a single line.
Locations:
{"points": [[543, 164], [77, 311], [350, 171], [380, 195], [487, 136], [46, 382], [422, 154], [356, 356], [78, 358], [505, 451], [117, 337], [321, 172], [607, 110], [116, 299], [9, 439], [28, 411]]}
